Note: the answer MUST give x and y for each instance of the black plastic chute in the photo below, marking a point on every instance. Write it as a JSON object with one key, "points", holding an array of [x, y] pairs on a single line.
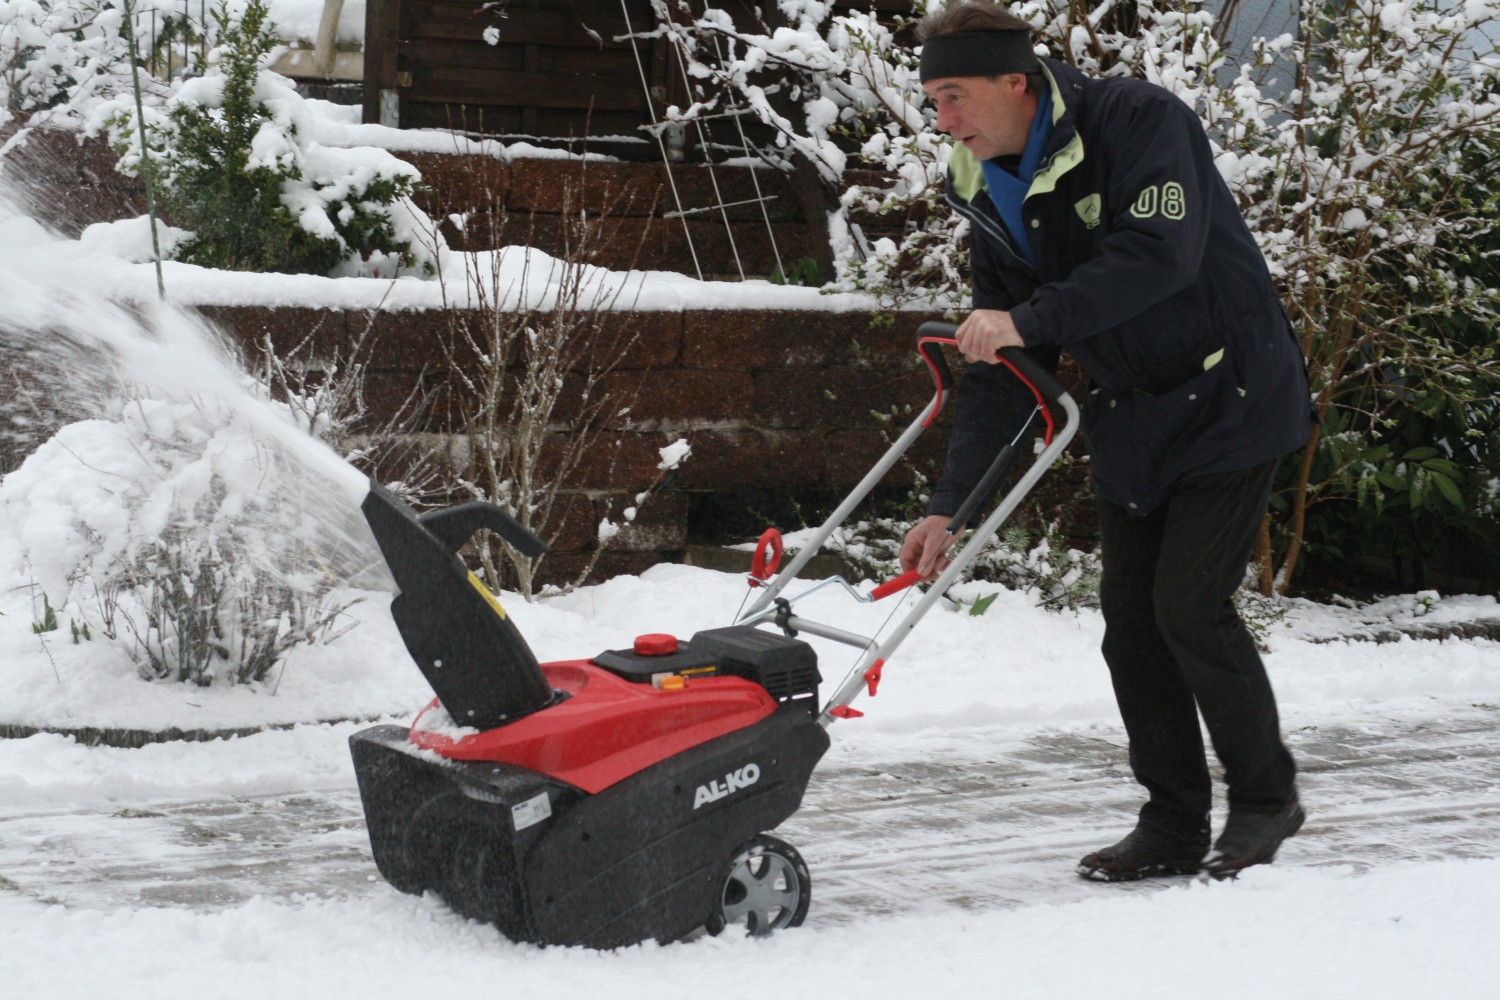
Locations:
{"points": [[462, 640]]}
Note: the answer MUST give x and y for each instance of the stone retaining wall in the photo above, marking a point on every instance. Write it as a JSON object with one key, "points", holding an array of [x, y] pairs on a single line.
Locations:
{"points": [[779, 407]]}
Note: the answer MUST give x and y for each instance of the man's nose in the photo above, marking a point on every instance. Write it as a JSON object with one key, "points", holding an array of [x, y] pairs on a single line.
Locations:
{"points": [[945, 120]]}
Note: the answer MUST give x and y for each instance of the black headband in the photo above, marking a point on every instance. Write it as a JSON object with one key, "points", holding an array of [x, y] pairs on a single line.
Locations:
{"points": [[978, 53]]}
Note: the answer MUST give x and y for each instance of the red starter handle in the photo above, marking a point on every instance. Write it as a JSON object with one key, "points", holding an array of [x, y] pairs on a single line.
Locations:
{"points": [[896, 584], [766, 558]]}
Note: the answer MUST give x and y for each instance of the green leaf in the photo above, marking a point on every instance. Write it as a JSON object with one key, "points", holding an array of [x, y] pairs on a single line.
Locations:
{"points": [[1448, 489], [49, 618], [1443, 467], [982, 605]]}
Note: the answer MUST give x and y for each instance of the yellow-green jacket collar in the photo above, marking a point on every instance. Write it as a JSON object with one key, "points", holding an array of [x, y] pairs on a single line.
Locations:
{"points": [[967, 177]]}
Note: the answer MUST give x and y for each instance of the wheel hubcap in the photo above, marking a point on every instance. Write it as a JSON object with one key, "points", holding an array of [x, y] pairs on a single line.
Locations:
{"points": [[762, 893]]}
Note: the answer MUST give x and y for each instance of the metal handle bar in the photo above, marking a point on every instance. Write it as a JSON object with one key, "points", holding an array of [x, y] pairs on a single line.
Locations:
{"points": [[838, 705], [1050, 396], [931, 335]]}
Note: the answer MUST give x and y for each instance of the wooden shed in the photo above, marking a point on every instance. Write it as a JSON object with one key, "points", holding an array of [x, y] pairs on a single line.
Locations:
{"points": [[549, 70], [552, 71]]}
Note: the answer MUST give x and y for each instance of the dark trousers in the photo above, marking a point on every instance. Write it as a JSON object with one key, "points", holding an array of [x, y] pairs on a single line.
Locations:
{"points": [[1176, 646]]}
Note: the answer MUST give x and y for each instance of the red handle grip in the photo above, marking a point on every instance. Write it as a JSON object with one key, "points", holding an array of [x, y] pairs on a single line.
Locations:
{"points": [[896, 584]]}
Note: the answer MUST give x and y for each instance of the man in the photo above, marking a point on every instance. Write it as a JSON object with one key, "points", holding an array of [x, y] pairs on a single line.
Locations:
{"points": [[1099, 224]]}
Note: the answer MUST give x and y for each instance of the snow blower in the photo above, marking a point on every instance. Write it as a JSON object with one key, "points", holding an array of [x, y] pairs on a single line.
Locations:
{"points": [[627, 797]]}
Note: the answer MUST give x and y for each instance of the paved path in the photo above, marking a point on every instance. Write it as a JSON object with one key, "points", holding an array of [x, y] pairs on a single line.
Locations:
{"points": [[983, 821], [1003, 825]]}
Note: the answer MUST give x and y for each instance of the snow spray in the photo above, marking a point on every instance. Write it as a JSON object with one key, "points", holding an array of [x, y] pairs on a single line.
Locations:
{"points": [[128, 423]]}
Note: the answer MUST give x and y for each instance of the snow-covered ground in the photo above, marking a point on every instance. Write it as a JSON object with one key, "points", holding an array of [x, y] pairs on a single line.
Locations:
{"points": [[941, 829]]}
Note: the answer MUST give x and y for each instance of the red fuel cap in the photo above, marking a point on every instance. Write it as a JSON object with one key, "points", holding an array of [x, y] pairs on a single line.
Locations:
{"points": [[655, 644]]}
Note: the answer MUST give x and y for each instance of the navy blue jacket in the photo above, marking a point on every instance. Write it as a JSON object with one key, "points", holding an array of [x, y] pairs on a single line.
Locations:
{"points": [[1146, 272]]}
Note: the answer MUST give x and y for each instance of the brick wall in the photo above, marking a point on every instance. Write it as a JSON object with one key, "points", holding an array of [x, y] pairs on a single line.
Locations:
{"points": [[776, 405], [631, 212]]}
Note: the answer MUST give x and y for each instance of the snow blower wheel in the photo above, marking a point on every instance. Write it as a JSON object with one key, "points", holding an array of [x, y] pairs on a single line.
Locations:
{"points": [[765, 888]]}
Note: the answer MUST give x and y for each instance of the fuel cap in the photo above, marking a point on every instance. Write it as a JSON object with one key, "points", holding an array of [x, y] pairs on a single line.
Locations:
{"points": [[655, 644]]}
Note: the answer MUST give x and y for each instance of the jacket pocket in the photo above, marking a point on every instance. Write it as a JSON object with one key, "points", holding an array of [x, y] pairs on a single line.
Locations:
{"points": [[1142, 444]]}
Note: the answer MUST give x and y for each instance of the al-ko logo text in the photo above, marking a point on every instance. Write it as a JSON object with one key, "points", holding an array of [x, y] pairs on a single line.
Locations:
{"points": [[727, 785]]}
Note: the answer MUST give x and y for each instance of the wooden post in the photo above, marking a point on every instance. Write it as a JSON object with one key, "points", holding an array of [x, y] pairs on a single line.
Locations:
{"points": [[382, 38]]}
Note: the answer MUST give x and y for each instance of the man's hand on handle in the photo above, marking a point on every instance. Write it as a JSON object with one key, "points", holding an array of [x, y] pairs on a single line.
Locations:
{"points": [[926, 547], [981, 336]]}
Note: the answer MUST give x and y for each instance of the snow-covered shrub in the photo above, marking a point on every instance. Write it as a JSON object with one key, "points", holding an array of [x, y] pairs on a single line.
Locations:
{"points": [[807, 75], [233, 162], [173, 507], [56, 57], [1363, 152], [169, 525]]}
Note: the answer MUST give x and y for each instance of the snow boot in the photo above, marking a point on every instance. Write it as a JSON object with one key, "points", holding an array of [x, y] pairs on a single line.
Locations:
{"points": [[1252, 838], [1145, 851]]}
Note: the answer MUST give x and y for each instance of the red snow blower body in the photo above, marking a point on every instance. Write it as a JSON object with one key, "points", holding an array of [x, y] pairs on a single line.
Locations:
{"points": [[624, 797]]}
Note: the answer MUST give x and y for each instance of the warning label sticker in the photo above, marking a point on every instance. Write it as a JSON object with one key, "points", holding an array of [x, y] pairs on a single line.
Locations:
{"points": [[531, 812]]}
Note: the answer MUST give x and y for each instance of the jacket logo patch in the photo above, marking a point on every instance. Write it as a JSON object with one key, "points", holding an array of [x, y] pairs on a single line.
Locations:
{"points": [[1090, 210]]}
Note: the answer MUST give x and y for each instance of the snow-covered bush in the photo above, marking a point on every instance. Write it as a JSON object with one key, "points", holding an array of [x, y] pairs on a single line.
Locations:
{"points": [[1368, 178], [169, 526], [171, 506], [815, 79], [56, 57], [233, 161]]}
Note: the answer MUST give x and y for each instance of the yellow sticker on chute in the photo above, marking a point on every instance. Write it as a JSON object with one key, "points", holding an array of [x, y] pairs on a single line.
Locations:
{"points": [[484, 592]]}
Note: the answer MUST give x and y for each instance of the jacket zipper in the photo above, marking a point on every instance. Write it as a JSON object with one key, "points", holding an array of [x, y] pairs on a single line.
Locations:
{"points": [[968, 211]]}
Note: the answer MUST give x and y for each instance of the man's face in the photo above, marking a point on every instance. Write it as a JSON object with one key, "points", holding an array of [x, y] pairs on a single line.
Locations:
{"points": [[989, 115]]}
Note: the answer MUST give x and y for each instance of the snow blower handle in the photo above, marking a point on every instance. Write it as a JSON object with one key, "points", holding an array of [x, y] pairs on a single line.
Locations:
{"points": [[932, 336], [1047, 390], [1060, 413], [453, 526]]}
